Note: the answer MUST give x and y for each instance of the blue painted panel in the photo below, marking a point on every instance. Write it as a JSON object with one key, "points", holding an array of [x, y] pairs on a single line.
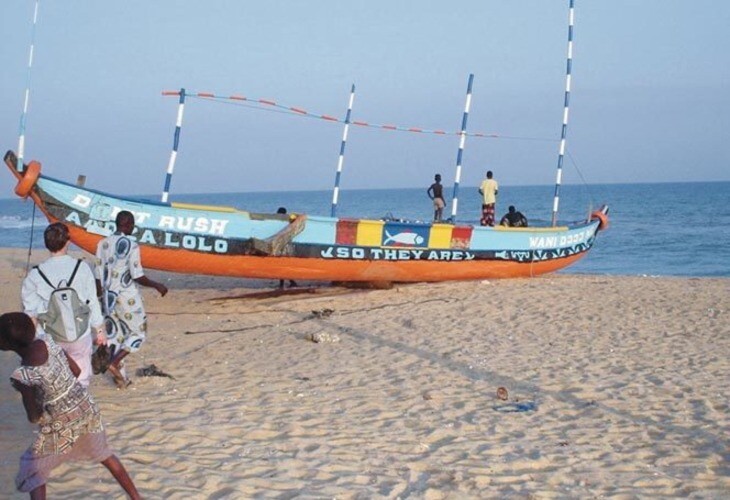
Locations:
{"points": [[495, 239], [319, 230], [162, 216], [403, 234]]}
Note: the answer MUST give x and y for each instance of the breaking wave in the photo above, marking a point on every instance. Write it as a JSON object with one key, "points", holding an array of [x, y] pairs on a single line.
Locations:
{"points": [[17, 222]]}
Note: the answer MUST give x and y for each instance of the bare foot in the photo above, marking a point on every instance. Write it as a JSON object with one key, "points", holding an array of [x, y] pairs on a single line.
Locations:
{"points": [[120, 380]]}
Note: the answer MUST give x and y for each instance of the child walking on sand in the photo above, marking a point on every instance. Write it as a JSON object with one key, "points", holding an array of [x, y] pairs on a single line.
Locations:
{"points": [[70, 427]]}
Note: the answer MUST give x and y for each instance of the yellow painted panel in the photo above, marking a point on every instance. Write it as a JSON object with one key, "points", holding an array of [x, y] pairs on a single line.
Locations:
{"points": [[440, 236], [370, 233]]}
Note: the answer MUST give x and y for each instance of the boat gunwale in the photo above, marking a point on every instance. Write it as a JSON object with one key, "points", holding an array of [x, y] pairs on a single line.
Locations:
{"points": [[313, 217]]}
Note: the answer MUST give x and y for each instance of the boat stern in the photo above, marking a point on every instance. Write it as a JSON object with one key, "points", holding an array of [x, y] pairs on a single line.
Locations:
{"points": [[601, 215], [27, 176]]}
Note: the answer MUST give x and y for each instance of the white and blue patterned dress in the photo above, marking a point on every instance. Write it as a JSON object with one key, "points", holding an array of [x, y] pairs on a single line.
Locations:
{"points": [[118, 265]]}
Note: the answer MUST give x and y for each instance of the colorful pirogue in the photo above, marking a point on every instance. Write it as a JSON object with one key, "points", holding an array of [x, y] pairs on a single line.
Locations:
{"points": [[225, 241]]}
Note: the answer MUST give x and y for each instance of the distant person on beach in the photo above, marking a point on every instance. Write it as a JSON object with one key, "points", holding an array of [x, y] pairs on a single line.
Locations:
{"points": [[292, 283], [488, 190], [436, 193], [118, 272], [69, 421], [60, 271], [513, 218]]}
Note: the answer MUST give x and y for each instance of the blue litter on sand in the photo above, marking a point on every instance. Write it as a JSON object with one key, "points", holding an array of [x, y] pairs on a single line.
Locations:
{"points": [[517, 407]]}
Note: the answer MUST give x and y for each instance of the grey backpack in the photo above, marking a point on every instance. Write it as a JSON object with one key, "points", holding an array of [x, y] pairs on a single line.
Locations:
{"points": [[67, 317]]}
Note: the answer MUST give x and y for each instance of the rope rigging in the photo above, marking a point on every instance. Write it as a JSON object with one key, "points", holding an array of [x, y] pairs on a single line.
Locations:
{"points": [[274, 107]]}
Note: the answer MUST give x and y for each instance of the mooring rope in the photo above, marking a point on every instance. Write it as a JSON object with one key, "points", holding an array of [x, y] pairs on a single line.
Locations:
{"points": [[564, 130], [584, 183], [30, 245]]}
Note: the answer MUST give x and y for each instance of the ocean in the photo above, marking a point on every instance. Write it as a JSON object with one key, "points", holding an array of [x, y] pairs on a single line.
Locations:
{"points": [[663, 229]]}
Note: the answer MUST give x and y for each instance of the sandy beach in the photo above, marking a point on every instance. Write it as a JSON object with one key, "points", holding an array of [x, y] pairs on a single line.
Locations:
{"points": [[616, 387]]}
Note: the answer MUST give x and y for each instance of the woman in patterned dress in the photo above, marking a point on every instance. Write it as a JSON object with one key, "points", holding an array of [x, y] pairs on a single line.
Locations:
{"points": [[70, 427]]}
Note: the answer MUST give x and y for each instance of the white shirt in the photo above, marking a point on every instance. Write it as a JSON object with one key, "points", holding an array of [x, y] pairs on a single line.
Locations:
{"points": [[36, 293]]}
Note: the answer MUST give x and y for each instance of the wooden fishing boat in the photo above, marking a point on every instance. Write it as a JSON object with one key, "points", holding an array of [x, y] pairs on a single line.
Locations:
{"points": [[225, 241]]}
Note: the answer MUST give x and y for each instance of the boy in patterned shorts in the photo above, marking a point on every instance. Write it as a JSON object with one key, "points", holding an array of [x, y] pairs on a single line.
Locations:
{"points": [[118, 271]]}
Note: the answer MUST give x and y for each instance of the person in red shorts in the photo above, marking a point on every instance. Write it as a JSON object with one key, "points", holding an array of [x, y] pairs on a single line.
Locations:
{"points": [[488, 190]]}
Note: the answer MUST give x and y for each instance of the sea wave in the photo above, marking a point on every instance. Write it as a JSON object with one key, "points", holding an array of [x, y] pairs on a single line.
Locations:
{"points": [[17, 222]]}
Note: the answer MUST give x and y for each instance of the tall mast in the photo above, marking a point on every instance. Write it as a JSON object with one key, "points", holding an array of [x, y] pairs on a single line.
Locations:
{"points": [[175, 144], [462, 140], [341, 158], [21, 132], [561, 153]]}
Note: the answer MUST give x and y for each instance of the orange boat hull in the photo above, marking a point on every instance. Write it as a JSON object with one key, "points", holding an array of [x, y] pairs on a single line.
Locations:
{"points": [[364, 256], [246, 266]]}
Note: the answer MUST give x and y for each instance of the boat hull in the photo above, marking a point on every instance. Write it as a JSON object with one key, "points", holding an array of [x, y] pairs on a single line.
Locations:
{"points": [[224, 241], [247, 266]]}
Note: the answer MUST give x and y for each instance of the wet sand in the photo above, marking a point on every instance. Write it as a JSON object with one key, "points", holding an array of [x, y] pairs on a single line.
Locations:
{"points": [[616, 387]]}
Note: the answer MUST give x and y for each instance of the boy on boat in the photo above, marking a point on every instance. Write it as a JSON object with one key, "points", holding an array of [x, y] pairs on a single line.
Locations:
{"points": [[118, 272], [513, 218], [436, 193], [488, 190]]}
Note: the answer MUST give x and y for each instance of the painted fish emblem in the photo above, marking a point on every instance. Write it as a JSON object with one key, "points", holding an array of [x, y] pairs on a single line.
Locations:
{"points": [[404, 238]]}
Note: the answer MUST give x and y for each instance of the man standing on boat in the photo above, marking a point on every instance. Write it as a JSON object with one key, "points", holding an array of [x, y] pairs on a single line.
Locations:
{"points": [[436, 193], [488, 190]]}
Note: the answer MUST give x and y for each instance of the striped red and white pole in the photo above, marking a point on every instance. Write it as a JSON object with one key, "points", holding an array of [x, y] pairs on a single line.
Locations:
{"points": [[272, 105], [26, 100], [459, 155], [341, 158], [564, 130], [175, 144]]}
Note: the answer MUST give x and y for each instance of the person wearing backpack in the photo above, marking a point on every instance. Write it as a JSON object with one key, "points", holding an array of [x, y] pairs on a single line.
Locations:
{"points": [[60, 297]]}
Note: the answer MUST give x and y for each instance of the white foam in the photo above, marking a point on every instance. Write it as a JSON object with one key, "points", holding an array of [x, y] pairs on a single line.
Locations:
{"points": [[16, 222]]}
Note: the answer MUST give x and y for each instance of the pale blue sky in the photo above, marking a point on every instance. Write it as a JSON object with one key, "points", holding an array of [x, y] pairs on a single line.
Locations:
{"points": [[650, 100]]}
